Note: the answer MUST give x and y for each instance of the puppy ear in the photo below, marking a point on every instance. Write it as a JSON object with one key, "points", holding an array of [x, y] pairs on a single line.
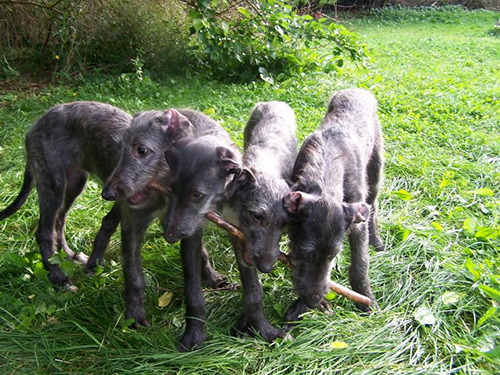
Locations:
{"points": [[299, 203], [227, 160], [172, 158], [356, 212], [245, 177], [175, 125], [138, 114]]}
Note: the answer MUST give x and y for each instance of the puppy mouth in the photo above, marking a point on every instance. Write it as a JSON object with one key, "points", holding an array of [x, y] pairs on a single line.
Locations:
{"points": [[138, 198]]}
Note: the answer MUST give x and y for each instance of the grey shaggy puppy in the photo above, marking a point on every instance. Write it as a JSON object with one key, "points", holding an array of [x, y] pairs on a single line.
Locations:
{"points": [[66, 144], [336, 179], [256, 193]]}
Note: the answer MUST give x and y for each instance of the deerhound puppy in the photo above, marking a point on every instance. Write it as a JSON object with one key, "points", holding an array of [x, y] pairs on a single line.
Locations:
{"points": [[336, 181]]}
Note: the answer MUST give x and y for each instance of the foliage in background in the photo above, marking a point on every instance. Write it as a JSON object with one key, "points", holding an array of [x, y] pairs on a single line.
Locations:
{"points": [[73, 36], [243, 40]]}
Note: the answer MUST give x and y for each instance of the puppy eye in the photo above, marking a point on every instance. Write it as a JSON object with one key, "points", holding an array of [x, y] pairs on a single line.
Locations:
{"points": [[142, 150], [256, 216], [197, 196]]}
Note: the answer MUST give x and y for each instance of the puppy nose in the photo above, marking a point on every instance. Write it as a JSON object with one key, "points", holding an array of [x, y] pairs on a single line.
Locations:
{"points": [[172, 237], [264, 266], [109, 193]]}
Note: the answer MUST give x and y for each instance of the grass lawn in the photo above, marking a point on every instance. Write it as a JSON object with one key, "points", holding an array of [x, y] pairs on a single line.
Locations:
{"points": [[436, 75]]}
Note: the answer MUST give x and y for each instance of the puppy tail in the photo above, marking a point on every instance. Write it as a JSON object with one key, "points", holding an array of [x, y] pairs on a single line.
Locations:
{"points": [[22, 196]]}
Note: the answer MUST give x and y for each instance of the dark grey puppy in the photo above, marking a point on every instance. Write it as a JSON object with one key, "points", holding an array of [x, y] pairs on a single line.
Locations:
{"points": [[337, 176], [202, 167], [255, 195], [142, 160], [63, 146]]}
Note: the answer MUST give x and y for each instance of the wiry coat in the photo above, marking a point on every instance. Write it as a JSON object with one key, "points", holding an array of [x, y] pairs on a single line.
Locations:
{"points": [[336, 180], [150, 138], [63, 146], [256, 194]]}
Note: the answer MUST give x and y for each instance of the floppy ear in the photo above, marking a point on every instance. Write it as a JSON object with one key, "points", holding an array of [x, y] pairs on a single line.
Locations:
{"points": [[299, 203], [175, 125], [227, 161], [356, 212], [172, 158], [245, 177], [138, 114]]}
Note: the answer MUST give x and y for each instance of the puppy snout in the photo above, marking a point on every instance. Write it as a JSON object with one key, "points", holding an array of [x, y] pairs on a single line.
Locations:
{"points": [[173, 236], [264, 265], [109, 193]]}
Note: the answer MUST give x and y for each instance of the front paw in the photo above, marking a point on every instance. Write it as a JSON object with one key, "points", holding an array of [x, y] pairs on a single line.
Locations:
{"points": [[139, 317], [368, 309], [257, 326], [190, 339]]}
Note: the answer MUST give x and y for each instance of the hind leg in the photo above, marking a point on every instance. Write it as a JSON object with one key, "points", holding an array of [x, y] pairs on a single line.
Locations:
{"points": [[360, 263], [108, 227], [209, 275], [51, 199], [75, 182], [374, 173]]}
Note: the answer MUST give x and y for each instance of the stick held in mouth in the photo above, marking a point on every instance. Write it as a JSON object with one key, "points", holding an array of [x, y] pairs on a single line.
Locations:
{"points": [[337, 288]]}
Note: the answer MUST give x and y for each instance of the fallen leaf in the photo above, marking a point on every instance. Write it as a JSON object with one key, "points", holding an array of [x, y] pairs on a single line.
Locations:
{"points": [[338, 345], [449, 298], [425, 316], [165, 299]]}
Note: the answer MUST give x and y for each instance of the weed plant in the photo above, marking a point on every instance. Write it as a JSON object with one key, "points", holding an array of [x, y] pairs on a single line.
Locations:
{"points": [[437, 283]]}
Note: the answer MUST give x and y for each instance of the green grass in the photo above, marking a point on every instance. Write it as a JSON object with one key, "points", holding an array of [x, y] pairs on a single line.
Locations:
{"points": [[436, 75]]}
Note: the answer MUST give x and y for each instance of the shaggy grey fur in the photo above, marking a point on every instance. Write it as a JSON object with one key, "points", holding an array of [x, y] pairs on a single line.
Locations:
{"points": [[63, 146], [255, 195], [336, 181]]}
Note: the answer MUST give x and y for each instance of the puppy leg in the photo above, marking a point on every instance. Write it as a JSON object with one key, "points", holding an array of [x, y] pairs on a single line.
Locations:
{"points": [[253, 318], [191, 253], [108, 227]]}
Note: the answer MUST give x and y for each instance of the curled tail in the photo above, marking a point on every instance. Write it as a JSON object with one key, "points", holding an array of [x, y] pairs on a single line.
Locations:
{"points": [[22, 196]]}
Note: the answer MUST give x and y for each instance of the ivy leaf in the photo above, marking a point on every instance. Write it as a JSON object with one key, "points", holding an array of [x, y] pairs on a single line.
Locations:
{"points": [[245, 12], [483, 192], [487, 233], [469, 226]]}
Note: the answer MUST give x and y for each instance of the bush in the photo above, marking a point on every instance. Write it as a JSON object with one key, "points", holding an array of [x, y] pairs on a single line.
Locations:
{"points": [[243, 40], [73, 36]]}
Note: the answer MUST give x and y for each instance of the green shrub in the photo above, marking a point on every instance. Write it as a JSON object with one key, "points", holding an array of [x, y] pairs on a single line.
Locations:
{"points": [[243, 40]]}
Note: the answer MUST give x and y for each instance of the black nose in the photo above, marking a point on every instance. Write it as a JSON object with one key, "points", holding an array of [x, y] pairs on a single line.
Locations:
{"points": [[173, 236], [264, 266], [109, 193]]}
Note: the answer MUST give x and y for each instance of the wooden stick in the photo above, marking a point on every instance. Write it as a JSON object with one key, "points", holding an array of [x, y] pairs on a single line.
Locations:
{"points": [[159, 188], [236, 232], [232, 230]]}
